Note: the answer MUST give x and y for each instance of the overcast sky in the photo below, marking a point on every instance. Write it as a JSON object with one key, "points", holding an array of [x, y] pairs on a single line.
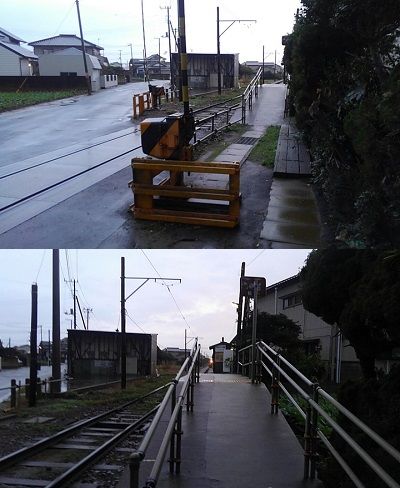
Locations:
{"points": [[117, 23], [210, 283]]}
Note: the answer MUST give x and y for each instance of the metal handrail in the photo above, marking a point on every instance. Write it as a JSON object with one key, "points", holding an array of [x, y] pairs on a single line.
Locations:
{"points": [[313, 411], [190, 367]]}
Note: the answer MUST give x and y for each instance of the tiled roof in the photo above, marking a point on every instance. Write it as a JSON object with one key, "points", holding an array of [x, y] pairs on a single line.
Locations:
{"points": [[70, 40], [19, 50]]}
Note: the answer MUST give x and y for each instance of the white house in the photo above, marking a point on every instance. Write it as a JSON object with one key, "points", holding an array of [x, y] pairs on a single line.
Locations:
{"points": [[69, 62], [15, 60]]}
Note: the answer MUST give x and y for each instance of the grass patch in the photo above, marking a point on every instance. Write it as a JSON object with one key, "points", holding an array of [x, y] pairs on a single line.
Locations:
{"points": [[265, 150], [11, 101]]}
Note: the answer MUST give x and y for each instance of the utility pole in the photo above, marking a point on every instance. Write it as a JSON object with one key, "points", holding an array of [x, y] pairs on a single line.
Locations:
{"points": [[120, 57], [88, 82], [169, 47], [183, 58], [254, 334], [159, 55], [33, 346], [275, 66], [124, 299], [131, 64], [146, 77], [219, 35], [239, 312], [88, 311], [56, 355], [263, 64], [74, 304]]}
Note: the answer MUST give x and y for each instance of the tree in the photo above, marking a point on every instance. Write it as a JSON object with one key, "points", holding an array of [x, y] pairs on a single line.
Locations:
{"points": [[276, 330], [357, 290]]}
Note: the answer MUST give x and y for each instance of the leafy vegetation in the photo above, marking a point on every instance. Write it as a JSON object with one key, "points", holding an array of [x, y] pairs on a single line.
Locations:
{"points": [[265, 149], [345, 93], [11, 101], [358, 290]]}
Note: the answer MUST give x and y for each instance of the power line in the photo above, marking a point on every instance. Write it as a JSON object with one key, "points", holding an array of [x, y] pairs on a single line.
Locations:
{"points": [[168, 288], [64, 19], [41, 264], [134, 321], [258, 255]]}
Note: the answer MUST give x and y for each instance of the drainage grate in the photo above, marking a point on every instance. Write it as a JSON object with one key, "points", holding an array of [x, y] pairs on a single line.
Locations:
{"points": [[247, 140]]}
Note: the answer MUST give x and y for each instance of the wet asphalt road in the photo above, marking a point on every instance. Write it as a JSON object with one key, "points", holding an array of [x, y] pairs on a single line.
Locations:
{"points": [[39, 129]]}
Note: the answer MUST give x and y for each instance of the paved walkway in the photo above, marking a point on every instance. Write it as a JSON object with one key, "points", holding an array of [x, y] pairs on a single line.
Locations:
{"points": [[232, 441]]}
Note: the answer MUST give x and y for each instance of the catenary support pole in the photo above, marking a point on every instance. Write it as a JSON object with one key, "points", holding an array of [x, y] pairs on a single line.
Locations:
{"points": [[218, 55], [56, 353], [33, 347], [123, 326]]}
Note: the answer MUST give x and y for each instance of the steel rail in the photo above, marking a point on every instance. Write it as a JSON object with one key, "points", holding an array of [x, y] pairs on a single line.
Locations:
{"points": [[73, 473], [65, 180], [65, 155], [22, 454]]}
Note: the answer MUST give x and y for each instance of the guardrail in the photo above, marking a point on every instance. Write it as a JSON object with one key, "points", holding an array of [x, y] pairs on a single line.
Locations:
{"points": [[173, 434], [280, 369]]}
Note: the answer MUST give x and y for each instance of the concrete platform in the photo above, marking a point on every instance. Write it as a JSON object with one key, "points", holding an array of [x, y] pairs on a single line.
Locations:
{"points": [[292, 217], [232, 441]]}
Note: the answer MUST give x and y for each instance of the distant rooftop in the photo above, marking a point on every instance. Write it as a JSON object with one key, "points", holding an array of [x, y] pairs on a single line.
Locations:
{"points": [[11, 36], [19, 50], [70, 40]]}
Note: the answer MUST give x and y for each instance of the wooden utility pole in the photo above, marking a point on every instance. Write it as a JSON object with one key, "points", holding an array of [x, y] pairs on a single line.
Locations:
{"points": [[239, 314], [33, 346], [146, 77], [56, 353], [88, 82]]}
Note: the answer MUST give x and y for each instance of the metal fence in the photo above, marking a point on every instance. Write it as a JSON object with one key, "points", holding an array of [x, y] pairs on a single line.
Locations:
{"points": [[283, 376], [172, 439]]}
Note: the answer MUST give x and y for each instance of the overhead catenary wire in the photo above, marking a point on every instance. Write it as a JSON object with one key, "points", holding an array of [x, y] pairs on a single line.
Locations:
{"points": [[168, 288]]}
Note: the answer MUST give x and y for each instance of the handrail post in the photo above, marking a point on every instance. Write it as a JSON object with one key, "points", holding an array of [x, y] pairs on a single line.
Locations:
{"points": [[274, 388], [13, 403], [243, 110], [172, 442], [134, 467], [307, 447], [178, 441], [314, 433]]}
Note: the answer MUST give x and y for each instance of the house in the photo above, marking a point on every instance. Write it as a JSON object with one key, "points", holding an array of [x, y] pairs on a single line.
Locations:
{"points": [[69, 62], [178, 354], [15, 60], [64, 41], [203, 70], [284, 298], [157, 67], [269, 68]]}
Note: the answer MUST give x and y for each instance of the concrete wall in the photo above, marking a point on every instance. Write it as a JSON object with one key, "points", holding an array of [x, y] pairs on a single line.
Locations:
{"points": [[11, 64]]}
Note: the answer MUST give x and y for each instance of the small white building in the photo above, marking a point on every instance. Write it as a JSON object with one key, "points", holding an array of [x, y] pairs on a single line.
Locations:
{"points": [[15, 60], [69, 62]]}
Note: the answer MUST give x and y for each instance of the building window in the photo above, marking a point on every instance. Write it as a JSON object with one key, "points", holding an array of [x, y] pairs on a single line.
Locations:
{"points": [[291, 300]]}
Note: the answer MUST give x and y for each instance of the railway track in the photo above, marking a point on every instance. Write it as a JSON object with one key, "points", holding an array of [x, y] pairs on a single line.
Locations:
{"points": [[68, 456]]}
